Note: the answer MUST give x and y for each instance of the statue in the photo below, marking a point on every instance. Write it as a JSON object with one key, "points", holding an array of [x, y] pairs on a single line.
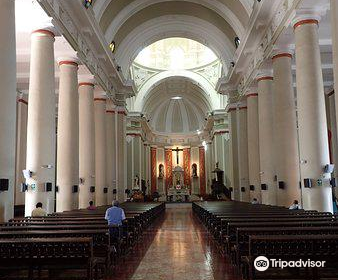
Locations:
{"points": [[137, 182], [160, 171], [194, 170]]}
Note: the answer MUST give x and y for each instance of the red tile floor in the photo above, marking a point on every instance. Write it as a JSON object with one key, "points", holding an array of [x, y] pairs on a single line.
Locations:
{"points": [[176, 247]]}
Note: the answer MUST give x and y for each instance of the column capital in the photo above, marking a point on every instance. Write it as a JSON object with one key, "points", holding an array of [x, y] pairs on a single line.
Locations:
{"points": [[68, 60], [265, 74], [86, 80], [252, 91], [46, 28], [100, 96], [281, 51], [307, 16]]}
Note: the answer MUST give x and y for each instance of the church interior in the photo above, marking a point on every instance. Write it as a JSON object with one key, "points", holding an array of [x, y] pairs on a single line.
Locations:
{"points": [[210, 124]]}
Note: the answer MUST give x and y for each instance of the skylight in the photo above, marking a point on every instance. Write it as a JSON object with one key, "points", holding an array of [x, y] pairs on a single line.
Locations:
{"points": [[174, 54]]}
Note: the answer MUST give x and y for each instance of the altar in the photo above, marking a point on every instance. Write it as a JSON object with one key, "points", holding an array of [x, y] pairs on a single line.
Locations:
{"points": [[178, 194]]}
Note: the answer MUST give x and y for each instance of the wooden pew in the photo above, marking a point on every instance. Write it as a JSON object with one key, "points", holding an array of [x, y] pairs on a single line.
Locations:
{"points": [[293, 248], [47, 254]]}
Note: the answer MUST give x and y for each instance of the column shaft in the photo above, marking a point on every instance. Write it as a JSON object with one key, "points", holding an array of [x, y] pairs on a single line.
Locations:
{"points": [[253, 146], [86, 143], [100, 151], [243, 162], [267, 171], [21, 142], [110, 151], [285, 131], [313, 139], [67, 137], [7, 106], [121, 153], [41, 136], [234, 154]]}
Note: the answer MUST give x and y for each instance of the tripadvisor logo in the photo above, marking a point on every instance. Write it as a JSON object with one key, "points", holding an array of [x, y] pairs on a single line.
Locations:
{"points": [[262, 263]]}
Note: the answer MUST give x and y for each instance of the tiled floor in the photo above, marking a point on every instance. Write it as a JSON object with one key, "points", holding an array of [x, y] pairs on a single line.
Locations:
{"points": [[175, 248]]}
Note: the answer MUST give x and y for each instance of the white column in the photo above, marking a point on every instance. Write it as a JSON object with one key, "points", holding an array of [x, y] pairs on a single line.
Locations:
{"points": [[265, 83], [67, 171], [286, 156], [313, 139], [21, 142], [86, 142], [41, 136], [7, 106], [253, 145], [334, 27], [100, 149], [110, 151], [121, 152], [243, 161], [234, 176]]}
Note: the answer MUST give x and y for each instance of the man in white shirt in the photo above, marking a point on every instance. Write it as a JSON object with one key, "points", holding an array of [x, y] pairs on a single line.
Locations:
{"points": [[254, 201], [38, 211], [295, 205]]}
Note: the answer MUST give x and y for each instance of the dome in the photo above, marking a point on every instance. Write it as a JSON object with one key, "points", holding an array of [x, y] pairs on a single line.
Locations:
{"points": [[176, 106]]}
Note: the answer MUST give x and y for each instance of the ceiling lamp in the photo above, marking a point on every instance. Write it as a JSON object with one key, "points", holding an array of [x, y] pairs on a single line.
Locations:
{"points": [[88, 3], [112, 46], [176, 98]]}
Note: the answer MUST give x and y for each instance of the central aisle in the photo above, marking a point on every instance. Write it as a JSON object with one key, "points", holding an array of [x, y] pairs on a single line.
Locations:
{"points": [[178, 248]]}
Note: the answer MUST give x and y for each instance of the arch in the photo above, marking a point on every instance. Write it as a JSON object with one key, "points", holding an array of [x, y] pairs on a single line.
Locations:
{"points": [[174, 26], [210, 94], [136, 6]]}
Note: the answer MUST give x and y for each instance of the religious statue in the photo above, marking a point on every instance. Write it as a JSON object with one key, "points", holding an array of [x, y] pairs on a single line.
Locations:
{"points": [[137, 182], [194, 170], [160, 171]]}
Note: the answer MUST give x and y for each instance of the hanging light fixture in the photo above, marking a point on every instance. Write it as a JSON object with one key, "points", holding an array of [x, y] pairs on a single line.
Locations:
{"points": [[88, 3]]}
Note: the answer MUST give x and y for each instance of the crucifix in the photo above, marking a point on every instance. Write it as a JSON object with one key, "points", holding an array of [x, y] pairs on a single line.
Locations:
{"points": [[177, 150]]}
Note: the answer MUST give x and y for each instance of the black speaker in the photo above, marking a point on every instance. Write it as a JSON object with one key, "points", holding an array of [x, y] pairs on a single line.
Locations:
{"points": [[127, 191], [307, 183], [92, 189], [333, 182], [242, 189], [56, 188], [252, 187], [264, 187], [75, 188], [281, 185], [23, 187], [114, 191], [48, 187], [105, 190], [231, 189], [4, 185]]}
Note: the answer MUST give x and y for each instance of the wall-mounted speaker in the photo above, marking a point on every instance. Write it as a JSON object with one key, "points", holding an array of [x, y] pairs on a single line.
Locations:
{"points": [[56, 188], [264, 187], [4, 185], [114, 191], [242, 189], [252, 187], [307, 183], [281, 185], [105, 190], [92, 189], [75, 188], [48, 187], [231, 189], [23, 187], [333, 182]]}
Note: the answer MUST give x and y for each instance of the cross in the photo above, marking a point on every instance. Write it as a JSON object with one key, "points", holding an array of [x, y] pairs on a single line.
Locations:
{"points": [[177, 157]]}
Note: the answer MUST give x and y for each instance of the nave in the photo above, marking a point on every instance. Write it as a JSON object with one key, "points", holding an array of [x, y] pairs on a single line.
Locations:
{"points": [[177, 247]]}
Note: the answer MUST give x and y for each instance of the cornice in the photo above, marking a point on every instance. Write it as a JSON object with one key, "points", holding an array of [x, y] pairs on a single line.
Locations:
{"points": [[80, 28]]}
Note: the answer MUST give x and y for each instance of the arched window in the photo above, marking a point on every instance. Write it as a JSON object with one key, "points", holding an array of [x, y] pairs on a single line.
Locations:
{"points": [[88, 3], [237, 42]]}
